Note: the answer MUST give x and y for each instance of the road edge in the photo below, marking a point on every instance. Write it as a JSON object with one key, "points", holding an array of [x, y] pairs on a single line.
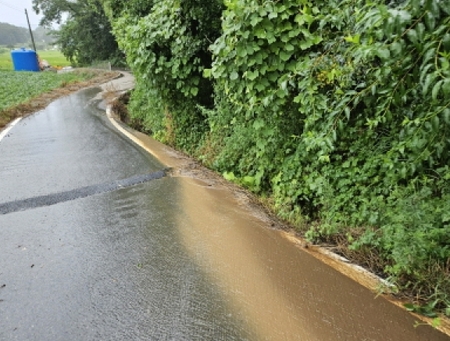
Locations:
{"points": [[353, 271], [8, 127]]}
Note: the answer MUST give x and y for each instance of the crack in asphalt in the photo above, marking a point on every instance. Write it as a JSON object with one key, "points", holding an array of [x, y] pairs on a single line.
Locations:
{"points": [[83, 192]]}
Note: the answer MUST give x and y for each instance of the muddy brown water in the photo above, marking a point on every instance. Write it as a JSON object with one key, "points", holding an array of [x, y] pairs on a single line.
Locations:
{"points": [[183, 257], [282, 291]]}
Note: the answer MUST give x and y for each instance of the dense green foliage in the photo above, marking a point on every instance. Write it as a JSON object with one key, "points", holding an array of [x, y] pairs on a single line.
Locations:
{"points": [[167, 50], [343, 118], [338, 112], [85, 36]]}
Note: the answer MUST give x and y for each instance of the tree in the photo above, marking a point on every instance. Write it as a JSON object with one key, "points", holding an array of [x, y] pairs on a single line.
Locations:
{"points": [[85, 36], [167, 49], [43, 35]]}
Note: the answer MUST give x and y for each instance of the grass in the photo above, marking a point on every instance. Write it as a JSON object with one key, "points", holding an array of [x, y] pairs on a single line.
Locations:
{"points": [[53, 57], [23, 92], [17, 87], [5, 61]]}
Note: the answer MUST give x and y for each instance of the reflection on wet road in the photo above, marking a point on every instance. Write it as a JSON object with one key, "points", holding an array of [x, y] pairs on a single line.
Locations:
{"points": [[104, 267], [168, 259], [107, 267]]}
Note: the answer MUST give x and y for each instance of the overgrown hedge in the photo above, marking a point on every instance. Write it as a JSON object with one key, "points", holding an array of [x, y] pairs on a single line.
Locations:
{"points": [[337, 112], [167, 50]]}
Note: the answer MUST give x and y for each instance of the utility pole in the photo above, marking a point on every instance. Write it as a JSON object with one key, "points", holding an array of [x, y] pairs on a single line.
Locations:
{"points": [[31, 32]]}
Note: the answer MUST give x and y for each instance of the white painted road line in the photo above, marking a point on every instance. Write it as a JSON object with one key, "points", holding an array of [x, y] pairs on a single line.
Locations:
{"points": [[9, 127]]}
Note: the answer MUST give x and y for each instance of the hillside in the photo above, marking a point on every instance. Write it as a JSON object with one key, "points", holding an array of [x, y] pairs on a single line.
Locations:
{"points": [[13, 35]]}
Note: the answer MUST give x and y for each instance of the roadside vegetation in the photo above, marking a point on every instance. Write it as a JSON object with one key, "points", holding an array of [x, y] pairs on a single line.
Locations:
{"points": [[22, 93], [336, 113]]}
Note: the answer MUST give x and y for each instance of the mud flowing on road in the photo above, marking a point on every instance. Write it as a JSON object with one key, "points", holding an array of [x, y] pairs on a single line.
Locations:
{"points": [[101, 249]]}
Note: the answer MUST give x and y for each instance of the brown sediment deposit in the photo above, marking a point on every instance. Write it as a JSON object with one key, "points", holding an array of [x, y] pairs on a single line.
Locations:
{"points": [[282, 289]]}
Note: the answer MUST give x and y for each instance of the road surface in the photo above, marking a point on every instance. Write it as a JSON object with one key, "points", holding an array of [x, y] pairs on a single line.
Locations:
{"points": [[99, 241]]}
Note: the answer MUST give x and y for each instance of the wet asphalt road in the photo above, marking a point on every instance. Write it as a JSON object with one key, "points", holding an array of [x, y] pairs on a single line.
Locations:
{"points": [[97, 243], [105, 265]]}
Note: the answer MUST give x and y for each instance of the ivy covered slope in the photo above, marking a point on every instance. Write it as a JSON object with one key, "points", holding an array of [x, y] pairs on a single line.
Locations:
{"points": [[337, 112], [166, 44]]}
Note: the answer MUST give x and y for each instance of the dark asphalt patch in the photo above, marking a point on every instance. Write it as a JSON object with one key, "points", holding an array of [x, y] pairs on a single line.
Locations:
{"points": [[83, 192]]}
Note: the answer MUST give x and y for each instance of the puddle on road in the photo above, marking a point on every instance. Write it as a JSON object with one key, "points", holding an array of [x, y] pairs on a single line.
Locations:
{"points": [[283, 292], [135, 264]]}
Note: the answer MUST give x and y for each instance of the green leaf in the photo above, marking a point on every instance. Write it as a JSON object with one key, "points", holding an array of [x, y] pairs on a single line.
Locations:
{"points": [[412, 35], [396, 48], [428, 80], [446, 87], [241, 51], [229, 176], [424, 73], [433, 7], [260, 87], [234, 75], [447, 310], [194, 91], [373, 89], [347, 112], [428, 313], [324, 158], [435, 123], [436, 322], [445, 6], [353, 39], [306, 44], [273, 15], [430, 21], [255, 20], [446, 114], [207, 73], [289, 47], [252, 75], [420, 31], [436, 88], [258, 124], [410, 307], [284, 56], [383, 53]]}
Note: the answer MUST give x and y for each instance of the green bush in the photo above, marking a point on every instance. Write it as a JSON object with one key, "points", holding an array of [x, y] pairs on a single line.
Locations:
{"points": [[337, 111], [168, 50]]}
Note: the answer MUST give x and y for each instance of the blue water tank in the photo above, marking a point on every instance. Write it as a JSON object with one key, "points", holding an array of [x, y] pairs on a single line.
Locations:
{"points": [[25, 60]]}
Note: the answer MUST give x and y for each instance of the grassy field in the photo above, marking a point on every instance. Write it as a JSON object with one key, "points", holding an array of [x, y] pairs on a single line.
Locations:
{"points": [[25, 92], [54, 58], [17, 87]]}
